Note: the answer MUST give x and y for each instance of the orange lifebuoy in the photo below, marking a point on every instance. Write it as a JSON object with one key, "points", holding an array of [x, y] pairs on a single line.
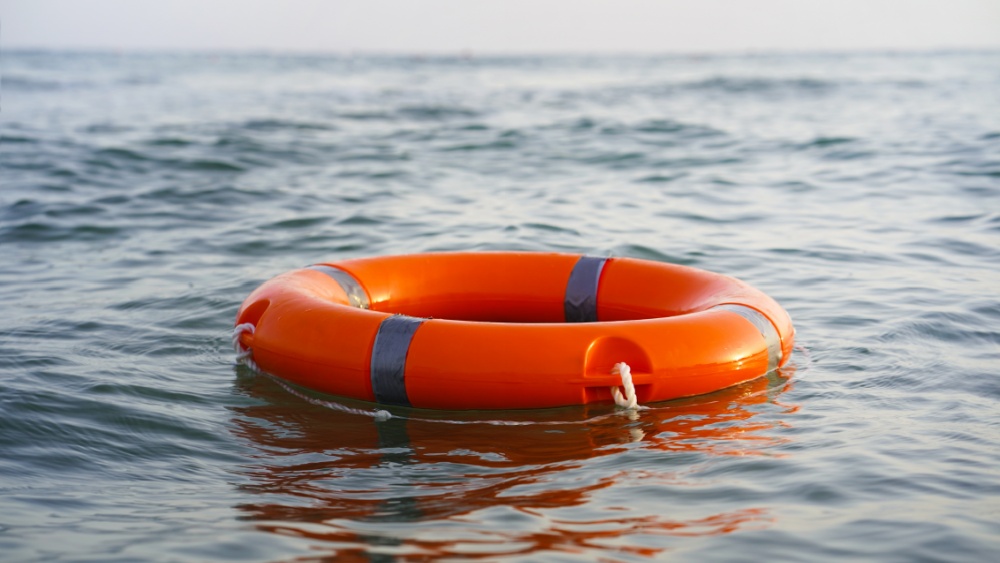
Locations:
{"points": [[510, 330]]}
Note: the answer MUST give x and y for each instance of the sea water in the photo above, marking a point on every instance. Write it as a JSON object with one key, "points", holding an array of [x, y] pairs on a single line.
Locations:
{"points": [[144, 195]]}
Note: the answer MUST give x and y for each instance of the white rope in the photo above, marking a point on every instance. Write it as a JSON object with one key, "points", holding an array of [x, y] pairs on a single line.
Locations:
{"points": [[244, 355], [382, 415], [628, 400], [377, 414]]}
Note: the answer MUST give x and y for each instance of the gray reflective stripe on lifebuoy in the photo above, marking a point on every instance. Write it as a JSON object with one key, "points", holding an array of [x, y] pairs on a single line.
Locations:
{"points": [[388, 367], [355, 293], [767, 330], [580, 303]]}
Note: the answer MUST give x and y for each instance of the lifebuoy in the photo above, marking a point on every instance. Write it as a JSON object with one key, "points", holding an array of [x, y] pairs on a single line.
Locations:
{"points": [[510, 330]]}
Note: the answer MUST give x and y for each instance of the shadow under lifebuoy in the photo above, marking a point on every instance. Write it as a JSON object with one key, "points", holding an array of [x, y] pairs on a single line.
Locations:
{"points": [[357, 484]]}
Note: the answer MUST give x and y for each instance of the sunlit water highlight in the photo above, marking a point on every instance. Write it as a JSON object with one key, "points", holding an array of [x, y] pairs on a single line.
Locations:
{"points": [[144, 196]]}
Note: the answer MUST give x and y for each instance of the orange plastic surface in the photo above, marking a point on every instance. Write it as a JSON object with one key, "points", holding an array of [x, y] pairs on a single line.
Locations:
{"points": [[495, 338]]}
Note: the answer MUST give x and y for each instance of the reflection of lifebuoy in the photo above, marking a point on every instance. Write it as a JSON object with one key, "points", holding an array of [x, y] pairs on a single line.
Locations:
{"points": [[504, 330], [325, 474]]}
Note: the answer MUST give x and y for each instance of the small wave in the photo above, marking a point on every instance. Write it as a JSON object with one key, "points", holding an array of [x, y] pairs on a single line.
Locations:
{"points": [[435, 112], [616, 160], [660, 126], [498, 144], [695, 162], [369, 175], [18, 139], [474, 127], [733, 85], [662, 178], [970, 219], [39, 84], [964, 328], [716, 218], [676, 129], [654, 128], [650, 253], [374, 154], [952, 247], [984, 169], [209, 165], [23, 208], [221, 198], [362, 115], [549, 227], [122, 154], [119, 158], [824, 142], [297, 223], [169, 142], [37, 231], [274, 124], [360, 219], [106, 128]]}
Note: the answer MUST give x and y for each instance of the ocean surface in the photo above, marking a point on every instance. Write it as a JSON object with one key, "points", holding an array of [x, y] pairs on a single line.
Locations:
{"points": [[143, 196]]}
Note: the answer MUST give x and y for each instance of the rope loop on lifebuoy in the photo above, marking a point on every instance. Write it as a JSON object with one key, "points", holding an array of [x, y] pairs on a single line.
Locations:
{"points": [[244, 355], [628, 400]]}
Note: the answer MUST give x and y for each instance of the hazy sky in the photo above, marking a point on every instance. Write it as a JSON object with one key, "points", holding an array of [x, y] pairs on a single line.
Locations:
{"points": [[507, 26]]}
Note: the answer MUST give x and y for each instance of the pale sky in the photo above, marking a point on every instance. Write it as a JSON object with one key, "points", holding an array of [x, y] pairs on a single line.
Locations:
{"points": [[501, 26]]}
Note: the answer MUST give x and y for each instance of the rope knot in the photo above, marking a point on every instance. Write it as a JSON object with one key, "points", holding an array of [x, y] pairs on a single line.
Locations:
{"points": [[628, 400], [244, 355]]}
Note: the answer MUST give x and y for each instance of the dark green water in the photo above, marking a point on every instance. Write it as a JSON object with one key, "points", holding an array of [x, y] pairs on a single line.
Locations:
{"points": [[142, 197]]}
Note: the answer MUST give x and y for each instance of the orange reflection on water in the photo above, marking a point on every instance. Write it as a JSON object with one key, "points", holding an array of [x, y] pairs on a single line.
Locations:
{"points": [[349, 542], [429, 485]]}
